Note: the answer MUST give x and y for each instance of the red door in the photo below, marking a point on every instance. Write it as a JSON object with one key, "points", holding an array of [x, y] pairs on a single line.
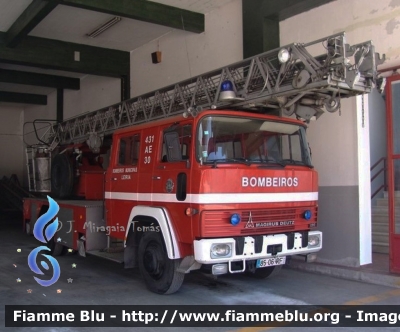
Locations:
{"points": [[171, 178], [122, 179], [393, 153]]}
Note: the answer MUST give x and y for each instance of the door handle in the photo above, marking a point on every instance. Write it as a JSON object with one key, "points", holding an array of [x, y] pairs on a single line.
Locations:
{"points": [[156, 177], [114, 179]]}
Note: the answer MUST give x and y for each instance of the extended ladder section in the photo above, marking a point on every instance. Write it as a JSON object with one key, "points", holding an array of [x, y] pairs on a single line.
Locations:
{"points": [[301, 79]]}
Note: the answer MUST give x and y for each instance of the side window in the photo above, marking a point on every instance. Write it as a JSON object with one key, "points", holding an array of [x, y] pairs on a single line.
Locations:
{"points": [[122, 152], [182, 134], [128, 153]]}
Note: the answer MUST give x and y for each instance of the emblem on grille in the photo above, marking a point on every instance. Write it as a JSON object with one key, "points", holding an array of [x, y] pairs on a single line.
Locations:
{"points": [[250, 223]]}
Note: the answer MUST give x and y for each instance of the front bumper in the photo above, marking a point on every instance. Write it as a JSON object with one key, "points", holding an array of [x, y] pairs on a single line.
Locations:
{"points": [[252, 248]]}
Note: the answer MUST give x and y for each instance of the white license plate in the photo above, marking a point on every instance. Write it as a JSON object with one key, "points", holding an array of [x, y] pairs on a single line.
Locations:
{"points": [[270, 261]]}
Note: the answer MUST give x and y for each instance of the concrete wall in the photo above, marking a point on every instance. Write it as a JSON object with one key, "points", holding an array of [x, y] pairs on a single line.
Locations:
{"points": [[344, 171], [11, 147], [185, 55]]}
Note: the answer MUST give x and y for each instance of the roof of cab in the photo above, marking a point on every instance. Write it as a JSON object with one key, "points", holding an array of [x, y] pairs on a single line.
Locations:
{"points": [[180, 118]]}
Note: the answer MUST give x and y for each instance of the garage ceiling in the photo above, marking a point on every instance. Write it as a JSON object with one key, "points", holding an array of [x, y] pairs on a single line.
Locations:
{"points": [[41, 36]]}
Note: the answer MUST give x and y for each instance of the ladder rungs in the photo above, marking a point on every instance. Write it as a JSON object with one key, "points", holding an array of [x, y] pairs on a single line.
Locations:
{"points": [[257, 81]]}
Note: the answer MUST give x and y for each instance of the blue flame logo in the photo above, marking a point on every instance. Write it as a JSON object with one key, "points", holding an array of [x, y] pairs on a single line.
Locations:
{"points": [[44, 235]]}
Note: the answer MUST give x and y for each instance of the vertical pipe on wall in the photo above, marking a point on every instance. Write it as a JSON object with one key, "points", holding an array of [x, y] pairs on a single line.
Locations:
{"points": [[125, 87], [60, 105]]}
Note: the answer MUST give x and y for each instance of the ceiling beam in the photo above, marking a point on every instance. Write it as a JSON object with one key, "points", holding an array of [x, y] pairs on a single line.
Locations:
{"points": [[22, 98], [144, 10], [36, 79], [261, 21], [288, 8], [28, 20], [54, 54]]}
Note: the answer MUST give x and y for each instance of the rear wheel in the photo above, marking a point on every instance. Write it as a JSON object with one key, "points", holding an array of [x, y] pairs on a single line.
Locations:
{"points": [[158, 271], [62, 176], [28, 228], [56, 249]]}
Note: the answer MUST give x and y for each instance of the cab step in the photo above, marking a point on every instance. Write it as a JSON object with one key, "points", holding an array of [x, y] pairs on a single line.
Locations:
{"points": [[112, 256]]}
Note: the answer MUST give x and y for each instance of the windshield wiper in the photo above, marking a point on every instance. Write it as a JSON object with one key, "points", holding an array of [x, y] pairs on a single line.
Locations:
{"points": [[235, 160], [271, 163], [296, 162]]}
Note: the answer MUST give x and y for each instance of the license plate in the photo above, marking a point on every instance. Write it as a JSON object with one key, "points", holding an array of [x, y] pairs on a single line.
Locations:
{"points": [[270, 261]]}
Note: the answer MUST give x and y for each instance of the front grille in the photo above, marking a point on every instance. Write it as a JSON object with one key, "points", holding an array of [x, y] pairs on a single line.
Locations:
{"points": [[217, 223], [269, 215]]}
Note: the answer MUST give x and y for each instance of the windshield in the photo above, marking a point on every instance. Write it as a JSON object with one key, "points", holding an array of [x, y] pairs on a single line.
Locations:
{"points": [[234, 139]]}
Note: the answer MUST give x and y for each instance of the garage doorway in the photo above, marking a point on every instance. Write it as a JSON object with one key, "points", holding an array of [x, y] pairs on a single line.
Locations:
{"points": [[393, 153]]}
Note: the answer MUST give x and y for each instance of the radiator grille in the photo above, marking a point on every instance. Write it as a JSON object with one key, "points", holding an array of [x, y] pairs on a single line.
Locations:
{"points": [[217, 223]]}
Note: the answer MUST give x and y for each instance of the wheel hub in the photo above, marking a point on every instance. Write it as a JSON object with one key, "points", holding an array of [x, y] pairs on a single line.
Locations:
{"points": [[153, 261]]}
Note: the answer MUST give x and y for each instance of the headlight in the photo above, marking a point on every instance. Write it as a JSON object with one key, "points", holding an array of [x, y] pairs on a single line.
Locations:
{"points": [[220, 250], [283, 55], [313, 241]]}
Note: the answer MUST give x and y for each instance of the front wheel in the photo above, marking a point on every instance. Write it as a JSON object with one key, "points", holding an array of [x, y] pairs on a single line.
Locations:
{"points": [[158, 271]]}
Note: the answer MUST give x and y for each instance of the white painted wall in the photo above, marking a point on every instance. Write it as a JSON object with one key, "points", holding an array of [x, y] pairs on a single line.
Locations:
{"points": [[11, 150], [333, 143], [96, 92], [349, 165], [364, 180], [377, 120], [360, 19], [185, 55]]}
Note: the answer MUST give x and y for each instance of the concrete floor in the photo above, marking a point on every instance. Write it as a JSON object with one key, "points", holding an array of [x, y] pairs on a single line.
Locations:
{"points": [[97, 281]]}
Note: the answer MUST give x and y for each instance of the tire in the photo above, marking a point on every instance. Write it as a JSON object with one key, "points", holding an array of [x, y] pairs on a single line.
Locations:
{"points": [[57, 249], [266, 272], [62, 176], [158, 271], [28, 229]]}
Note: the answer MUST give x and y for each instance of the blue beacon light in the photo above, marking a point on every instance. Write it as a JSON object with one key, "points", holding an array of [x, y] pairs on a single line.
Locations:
{"points": [[307, 215], [235, 219], [227, 91]]}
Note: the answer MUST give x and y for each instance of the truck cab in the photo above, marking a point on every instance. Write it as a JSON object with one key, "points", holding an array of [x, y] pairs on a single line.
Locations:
{"points": [[227, 191]]}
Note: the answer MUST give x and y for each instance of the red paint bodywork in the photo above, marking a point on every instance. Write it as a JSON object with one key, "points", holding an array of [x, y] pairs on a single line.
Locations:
{"points": [[212, 220]]}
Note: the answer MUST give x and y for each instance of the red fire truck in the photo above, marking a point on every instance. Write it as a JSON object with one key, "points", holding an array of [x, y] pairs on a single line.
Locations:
{"points": [[212, 173]]}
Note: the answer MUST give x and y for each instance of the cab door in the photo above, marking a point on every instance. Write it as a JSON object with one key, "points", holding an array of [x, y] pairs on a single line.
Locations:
{"points": [[172, 176], [122, 182]]}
